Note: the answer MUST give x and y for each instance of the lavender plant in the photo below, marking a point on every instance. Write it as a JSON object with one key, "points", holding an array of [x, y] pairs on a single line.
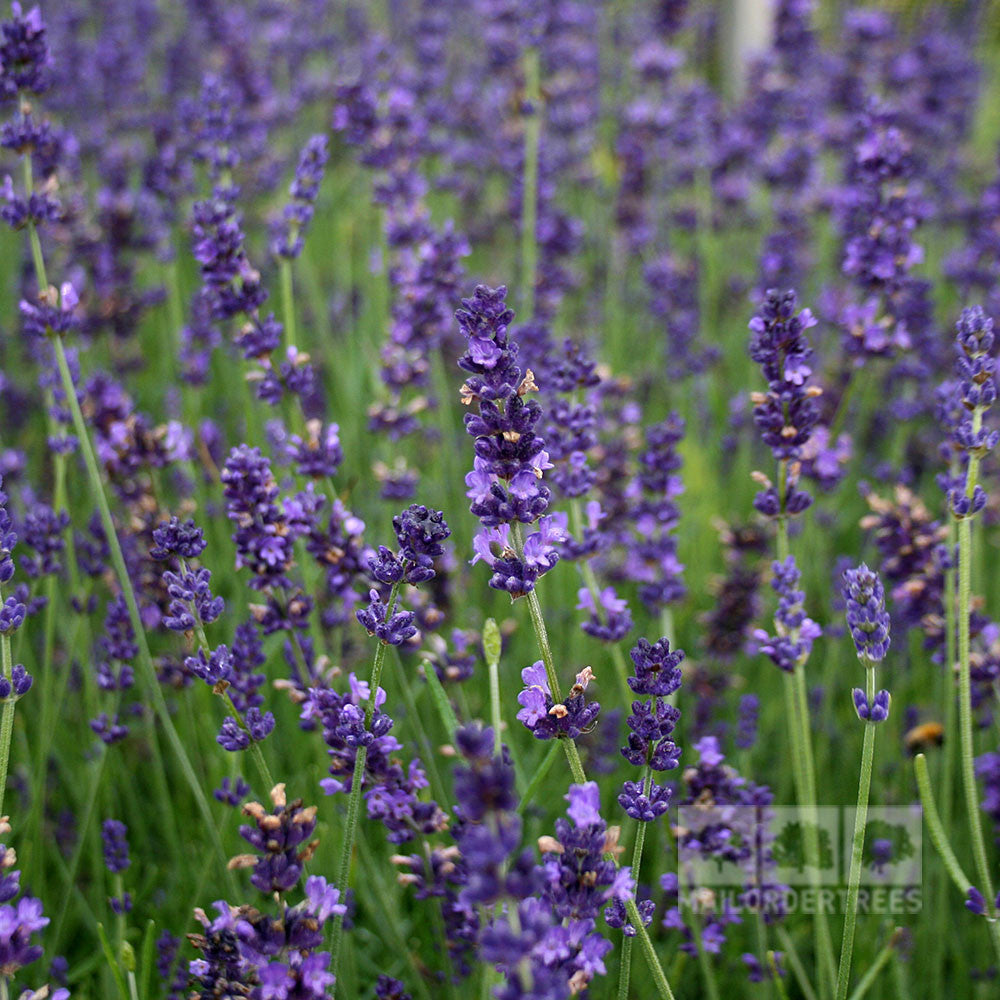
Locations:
{"points": [[239, 235]]}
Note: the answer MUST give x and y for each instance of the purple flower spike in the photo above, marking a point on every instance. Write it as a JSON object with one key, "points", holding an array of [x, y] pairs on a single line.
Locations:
{"points": [[177, 538], [280, 838], [546, 718], [393, 629], [866, 615], [876, 711], [19, 684], [113, 834], [795, 630]]}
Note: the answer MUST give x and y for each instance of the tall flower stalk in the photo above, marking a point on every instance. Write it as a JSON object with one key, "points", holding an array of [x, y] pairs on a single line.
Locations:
{"points": [[52, 314], [14, 680], [419, 532], [975, 367], [869, 626], [506, 492], [785, 415]]}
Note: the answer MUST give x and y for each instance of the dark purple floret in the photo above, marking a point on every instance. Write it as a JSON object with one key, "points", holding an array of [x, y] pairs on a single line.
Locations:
{"points": [[975, 901], [749, 710], [796, 631], [392, 627], [318, 454], [874, 711], [651, 724], [8, 539], [657, 669], [113, 835], [21, 922], [232, 793], [24, 54], [490, 357], [387, 988], [420, 532], [867, 618], [287, 236], [233, 737], [43, 531], [110, 730], [609, 617], [191, 599], [232, 286], [215, 667], [987, 769], [786, 413], [617, 916], [975, 366], [12, 614], [281, 839], [263, 542], [177, 538], [19, 683], [642, 806], [548, 719], [511, 573]]}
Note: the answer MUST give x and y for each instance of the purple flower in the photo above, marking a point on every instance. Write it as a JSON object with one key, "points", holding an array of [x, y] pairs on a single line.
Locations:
{"points": [[113, 835], [391, 627], [874, 711], [866, 615], [12, 613], [795, 630], [287, 235], [24, 54], [420, 532], [546, 718], [786, 413], [609, 619], [280, 839], [213, 668], [657, 669], [177, 538]]}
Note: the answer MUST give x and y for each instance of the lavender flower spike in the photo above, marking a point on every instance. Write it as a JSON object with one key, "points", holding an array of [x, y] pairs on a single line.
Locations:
{"points": [[866, 615], [795, 631]]}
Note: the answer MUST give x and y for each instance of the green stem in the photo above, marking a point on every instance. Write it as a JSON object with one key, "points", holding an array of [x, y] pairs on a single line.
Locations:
{"points": [[951, 627], [357, 778], [938, 837], [590, 579], [6, 715], [287, 301], [118, 561], [965, 686], [529, 193], [495, 713], [868, 979], [625, 971], [542, 637], [656, 970], [119, 886], [707, 972], [804, 771], [580, 777], [857, 845], [795, 964]]}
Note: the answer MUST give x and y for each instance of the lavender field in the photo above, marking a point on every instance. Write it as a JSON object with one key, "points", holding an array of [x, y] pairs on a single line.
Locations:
{"points": [[499, 500]]}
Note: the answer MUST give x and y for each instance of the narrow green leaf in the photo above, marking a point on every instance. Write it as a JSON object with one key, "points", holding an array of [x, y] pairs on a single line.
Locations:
{"points": [[441, 703], [112, 962]]}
